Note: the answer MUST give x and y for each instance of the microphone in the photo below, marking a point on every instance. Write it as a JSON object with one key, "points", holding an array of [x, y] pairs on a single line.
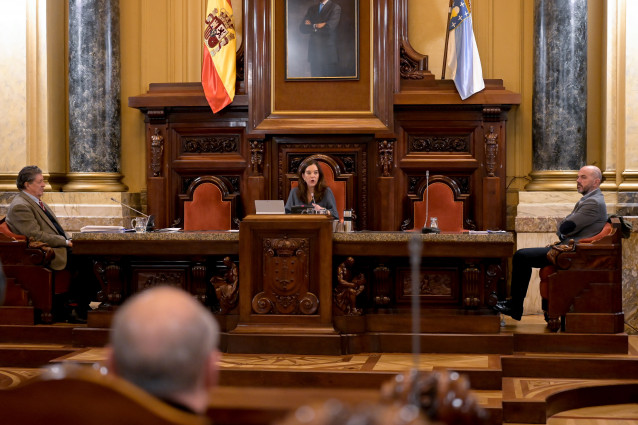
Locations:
{"points": [[151, 219], [425, 228]]}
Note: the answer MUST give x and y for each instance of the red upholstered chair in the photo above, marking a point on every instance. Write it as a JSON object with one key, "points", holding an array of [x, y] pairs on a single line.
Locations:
{"points": [[582, 290], [338, 187], [29, 281], [209, 206], [444, 203]]}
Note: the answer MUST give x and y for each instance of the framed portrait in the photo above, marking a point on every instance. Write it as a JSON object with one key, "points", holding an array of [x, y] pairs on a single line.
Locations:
{"points": [[322, 40]]}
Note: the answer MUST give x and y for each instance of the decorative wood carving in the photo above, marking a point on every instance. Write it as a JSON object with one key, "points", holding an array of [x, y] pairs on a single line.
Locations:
{"points": [[411, 69], [492, 113], [286, 279], [438, 143], [256, 157], [493, 277], [149, 279], [211, 144], [157, 153], [227, 287], [491, 152], [109, 276], [431, 283], [199, 284], [386, 157], [348, 288], [471, 286], [382, 285]]}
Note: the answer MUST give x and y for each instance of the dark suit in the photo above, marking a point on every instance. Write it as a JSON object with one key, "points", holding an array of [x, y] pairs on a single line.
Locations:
{"points": [[586, 220], [322, 45], [25, 217]]}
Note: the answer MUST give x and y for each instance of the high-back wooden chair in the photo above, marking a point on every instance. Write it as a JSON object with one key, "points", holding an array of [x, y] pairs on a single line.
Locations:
{"points": [[209, 205], [30, 283], [444, 203], [338, 187], [582, 290], [65, 395]]}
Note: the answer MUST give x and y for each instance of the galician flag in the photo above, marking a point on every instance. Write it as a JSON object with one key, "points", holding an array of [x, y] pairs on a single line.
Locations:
{"points": [[463, 58], [218, 68]]}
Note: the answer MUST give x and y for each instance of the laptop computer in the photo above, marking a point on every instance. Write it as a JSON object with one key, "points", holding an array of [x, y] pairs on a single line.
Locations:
{"points": [[275, 206]]}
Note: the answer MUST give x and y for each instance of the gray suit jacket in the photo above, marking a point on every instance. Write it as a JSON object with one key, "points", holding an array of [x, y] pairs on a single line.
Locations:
{"points": [[25, 217], [589, 217]]}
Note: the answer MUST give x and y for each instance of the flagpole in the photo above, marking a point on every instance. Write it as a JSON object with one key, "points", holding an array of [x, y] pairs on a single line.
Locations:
{"points": [[447, 37]]}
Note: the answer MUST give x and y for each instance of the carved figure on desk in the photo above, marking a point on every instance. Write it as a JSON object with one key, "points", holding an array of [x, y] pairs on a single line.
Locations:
{"points": [[227, 287], [348, 288]]}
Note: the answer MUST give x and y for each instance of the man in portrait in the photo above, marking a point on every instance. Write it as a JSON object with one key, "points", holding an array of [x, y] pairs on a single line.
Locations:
{"points": [[321, 22]]}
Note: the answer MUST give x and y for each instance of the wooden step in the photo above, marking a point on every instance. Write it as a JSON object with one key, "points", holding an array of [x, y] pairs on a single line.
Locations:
{"points": [[54, 334], [587, 367], [30, 356]]}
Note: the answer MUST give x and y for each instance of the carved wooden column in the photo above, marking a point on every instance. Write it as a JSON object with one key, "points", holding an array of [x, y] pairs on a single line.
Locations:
{"points": [[156, 182], [493, 206], [255, 187], [387, 209]]}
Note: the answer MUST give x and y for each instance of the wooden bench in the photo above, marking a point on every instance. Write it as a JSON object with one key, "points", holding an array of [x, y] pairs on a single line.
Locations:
{"points": [[582, 289]]}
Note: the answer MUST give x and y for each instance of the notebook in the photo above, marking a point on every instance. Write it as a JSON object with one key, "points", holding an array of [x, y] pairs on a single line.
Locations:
{"points": [[270, 206]]}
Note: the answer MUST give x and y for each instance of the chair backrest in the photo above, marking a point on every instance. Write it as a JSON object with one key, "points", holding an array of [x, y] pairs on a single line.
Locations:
{"points": [[607, 229], [338, 187], [208, 205], [80, 394], [442, 205], [6, 234]]}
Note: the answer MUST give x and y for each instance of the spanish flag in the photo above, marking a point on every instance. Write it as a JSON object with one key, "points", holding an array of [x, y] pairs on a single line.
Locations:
{"points": [[218, 68]]}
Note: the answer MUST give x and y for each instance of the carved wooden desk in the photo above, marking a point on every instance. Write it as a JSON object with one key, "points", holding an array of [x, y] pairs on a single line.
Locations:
{"points": [[461, 275]]}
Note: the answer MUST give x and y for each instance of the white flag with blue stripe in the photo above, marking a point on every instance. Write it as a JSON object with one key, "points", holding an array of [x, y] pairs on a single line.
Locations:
{"points": [[463, 58]]}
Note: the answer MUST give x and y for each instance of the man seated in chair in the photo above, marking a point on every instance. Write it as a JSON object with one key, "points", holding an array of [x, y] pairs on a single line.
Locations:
{"points": [[28, 215], [165, 342], [586, 220]]}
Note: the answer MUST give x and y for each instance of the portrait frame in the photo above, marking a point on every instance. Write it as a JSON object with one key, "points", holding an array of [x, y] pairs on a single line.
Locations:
{"points": [[321, 46]]}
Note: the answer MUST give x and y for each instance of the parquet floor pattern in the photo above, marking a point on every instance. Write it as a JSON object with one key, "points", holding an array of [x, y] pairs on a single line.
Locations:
{"points": [[272, 394]]}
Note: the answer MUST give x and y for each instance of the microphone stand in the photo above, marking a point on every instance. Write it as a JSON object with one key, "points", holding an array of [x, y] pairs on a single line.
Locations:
{"points": [[425, 228], [151, 219]]}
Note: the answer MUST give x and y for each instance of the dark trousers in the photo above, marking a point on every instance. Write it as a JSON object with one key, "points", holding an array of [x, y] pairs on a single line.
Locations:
{"points": [[524, 260]]}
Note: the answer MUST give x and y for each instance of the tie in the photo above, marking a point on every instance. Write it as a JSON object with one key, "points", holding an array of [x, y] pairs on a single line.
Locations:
{"points": [[42, 205], [320, 7]]}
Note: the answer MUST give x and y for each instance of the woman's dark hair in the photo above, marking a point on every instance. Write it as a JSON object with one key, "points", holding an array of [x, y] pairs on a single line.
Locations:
{"points": [[320, 188], [27, 175]]}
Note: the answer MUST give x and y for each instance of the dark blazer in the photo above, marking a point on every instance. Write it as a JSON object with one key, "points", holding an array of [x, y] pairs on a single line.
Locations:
{"points": [[322, 45], [25, 217]]}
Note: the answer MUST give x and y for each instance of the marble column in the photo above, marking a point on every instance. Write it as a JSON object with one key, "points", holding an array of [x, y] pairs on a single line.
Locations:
{"points": [[94, 96], [559, 102]]}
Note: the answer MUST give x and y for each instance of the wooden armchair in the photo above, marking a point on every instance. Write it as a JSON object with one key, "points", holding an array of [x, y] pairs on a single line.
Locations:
{"points": [[30, 283], [582, 289], [209, 205], [445, 203], [71, 394]]}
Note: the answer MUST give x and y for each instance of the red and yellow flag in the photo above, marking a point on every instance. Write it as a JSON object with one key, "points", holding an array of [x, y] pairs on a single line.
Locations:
{"points": [[218, 68]]}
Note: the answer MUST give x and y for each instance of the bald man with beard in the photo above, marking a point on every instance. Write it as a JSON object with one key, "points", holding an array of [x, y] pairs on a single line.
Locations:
{"points": [[586, 220], [165, 341]]}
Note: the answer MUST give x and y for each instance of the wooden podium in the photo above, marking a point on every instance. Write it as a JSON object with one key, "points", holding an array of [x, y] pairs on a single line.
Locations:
{"points": [[286, 275]]}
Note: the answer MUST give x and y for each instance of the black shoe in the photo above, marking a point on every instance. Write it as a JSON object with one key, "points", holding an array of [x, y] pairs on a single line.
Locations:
{"points": [[506, 308], [76, 318]]}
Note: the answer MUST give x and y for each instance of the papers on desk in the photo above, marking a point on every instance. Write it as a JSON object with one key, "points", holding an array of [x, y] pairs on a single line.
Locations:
{"points": [[485, 232], [102, 229]]}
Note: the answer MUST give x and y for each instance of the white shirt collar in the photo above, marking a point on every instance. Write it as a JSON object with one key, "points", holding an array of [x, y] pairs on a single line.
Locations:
{"points": [[35, 199]]}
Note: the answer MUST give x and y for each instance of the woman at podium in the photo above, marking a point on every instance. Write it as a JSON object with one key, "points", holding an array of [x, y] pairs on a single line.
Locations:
{"points": [[311, 192]]}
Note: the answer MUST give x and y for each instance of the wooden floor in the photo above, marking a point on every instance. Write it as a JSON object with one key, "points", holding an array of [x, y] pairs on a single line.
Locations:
{"points": [[517, 387]]}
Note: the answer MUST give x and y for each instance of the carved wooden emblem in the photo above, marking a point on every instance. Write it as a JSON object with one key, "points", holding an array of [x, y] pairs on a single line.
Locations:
{"points": [[286, 279]]}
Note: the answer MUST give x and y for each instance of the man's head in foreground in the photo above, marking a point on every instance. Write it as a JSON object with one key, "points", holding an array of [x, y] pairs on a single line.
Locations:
{"points": [[165, 341]]}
